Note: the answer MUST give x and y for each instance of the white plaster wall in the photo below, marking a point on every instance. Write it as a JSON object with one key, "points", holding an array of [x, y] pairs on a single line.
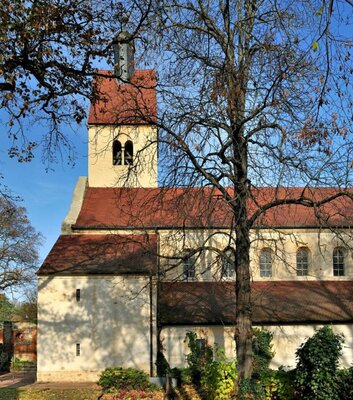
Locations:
{"points": [[175, 347], [111, 323], [286, 341], [102, 172], [284, 245]]}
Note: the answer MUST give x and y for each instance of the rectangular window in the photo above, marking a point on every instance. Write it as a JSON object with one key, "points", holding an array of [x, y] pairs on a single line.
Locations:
{"points": [[338, 262], [189, 268], [78, 349], [266, 263], [78, 294], [201, 345], [302, 262], [228, 270]]}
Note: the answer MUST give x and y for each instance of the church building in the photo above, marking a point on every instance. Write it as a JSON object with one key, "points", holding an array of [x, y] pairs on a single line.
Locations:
{"points": [[133, 269]]}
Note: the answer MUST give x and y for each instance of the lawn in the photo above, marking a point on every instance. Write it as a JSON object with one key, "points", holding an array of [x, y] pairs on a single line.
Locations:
{"points": [[49, 394], [66, 394]]}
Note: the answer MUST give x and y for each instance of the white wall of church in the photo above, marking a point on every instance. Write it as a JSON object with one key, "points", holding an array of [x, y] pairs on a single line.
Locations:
{"points": [[286, 340], [111, 324], [143, 171], [283, 244]]}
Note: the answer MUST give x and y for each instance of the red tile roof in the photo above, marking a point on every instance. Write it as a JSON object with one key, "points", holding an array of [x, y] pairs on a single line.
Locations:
{"points": [[125, 104], [196, 207], [274, 302], [102, 254]]}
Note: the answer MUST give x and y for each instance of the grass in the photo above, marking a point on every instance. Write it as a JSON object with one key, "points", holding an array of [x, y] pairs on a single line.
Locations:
{"points": [[48, 394], [60, 394]]}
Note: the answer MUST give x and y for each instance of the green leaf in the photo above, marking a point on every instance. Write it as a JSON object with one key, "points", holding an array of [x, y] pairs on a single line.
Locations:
{"points": [[319, 11], [315, 46]]}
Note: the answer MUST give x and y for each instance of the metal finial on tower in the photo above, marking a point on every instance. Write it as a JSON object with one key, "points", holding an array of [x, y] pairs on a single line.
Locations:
{"points": [[123, 56]]}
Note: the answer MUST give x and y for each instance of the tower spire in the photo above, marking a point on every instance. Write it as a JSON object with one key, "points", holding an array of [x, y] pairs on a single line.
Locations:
{"points": [[123, 47]]}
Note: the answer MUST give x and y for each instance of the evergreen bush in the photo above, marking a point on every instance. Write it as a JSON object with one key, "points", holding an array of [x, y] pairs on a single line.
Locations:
{"points": [[198, 358], [345, 379], [262, 350], [115, 379], [316, 373]]}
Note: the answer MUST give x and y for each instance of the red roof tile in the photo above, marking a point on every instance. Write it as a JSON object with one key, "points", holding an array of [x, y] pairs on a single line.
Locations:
{"points": [[274, 302], [125, 104], [102, 254], [196, 207]]}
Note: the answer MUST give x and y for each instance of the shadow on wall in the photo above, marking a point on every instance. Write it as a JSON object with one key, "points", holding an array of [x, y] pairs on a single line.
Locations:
{"points": [[86, 324], [290, 309]]}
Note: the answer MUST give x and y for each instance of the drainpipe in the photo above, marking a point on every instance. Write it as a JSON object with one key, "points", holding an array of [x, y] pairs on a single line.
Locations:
{"points": [[151, 327]]}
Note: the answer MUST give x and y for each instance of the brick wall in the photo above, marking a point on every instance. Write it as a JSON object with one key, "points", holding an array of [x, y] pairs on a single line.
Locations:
{"points": [[18, 339]]}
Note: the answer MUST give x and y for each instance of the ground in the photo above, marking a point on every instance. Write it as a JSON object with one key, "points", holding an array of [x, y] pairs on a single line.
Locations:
{"points": [[20, 386], [23, 387]]}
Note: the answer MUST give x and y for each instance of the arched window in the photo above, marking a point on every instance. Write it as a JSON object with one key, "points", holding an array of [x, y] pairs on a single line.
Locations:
{"points": [[117, 155], [227, 264], [302, 261], [128, 153], [338, 261], [266, 263], [189, 266]]}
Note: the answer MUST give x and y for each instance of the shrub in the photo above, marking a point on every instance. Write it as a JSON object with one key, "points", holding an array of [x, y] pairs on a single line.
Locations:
{"points": [[198, 358], [278, 385], [182, 375], [219, 377], [138, 395], [262, 350], [250, 389], [114, 379], [345, 382], [316, 376]]}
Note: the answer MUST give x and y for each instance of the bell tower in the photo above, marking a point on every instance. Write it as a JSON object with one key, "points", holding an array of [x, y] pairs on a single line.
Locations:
{"points": [[122, 131]]}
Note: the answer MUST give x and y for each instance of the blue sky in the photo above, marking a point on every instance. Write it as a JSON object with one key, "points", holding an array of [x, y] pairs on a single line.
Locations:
{"points": [[45, 194]]}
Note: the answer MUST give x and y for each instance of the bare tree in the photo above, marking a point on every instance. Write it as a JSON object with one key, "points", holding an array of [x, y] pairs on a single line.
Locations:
{"points": [[252, 93], [255, 94], [19, 244]]}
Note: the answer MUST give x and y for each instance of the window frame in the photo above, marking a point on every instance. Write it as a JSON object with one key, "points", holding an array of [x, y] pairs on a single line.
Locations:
{"points": [[338, 261], [128, 158], [267, 263], [189, 269], [117, 152], [227, 264], [302, 263]]}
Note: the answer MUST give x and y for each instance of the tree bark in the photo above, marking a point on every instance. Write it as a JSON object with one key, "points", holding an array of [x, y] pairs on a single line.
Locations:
{"points": [[243, 302]]}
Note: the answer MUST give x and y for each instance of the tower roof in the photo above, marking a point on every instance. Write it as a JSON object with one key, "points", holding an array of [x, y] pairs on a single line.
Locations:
{"points": [[119, 103]]}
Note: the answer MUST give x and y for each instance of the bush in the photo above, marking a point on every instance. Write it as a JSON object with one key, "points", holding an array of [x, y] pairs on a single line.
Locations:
{"points": [[278, 385], [115, 379], [262, 350], [198, 358], [345, 382], [219, 377], [316, 376], [138, 395], [250, 389], [182, 375]]}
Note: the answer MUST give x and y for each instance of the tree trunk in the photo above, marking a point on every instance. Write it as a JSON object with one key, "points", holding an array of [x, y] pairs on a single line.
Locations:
{"points": [[243, 332]]}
